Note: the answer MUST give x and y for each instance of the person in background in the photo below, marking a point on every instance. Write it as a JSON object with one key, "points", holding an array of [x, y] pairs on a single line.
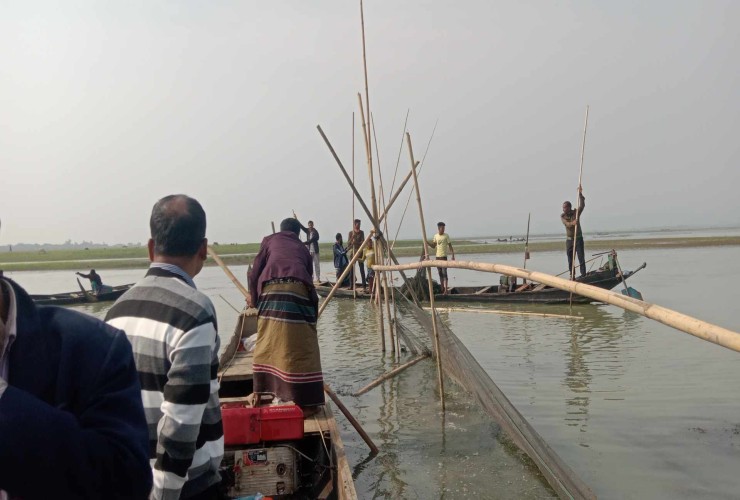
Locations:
{"points": [[287, 361], [340, 259], [355, 239], [71, 420], [172, 328], [369, 257], [312, 243], [96, 282], [571, 219], [442, 243]]}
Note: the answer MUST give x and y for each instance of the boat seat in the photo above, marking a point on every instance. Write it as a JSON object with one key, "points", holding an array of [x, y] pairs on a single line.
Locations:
{"points": [[484, 290]]}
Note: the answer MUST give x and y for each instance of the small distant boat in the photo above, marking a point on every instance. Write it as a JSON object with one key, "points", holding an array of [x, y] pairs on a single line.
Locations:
{"points": [[82, 296]]}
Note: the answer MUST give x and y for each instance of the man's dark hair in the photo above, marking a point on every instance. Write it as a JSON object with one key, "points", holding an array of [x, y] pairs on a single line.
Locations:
{"points": [[440, 224], [357, 221], [338, 236], [291, 224], [178, 226]]}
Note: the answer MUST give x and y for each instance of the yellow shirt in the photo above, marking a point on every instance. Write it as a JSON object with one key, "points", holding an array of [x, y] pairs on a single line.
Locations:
{"points": [[369, 257], [443, 243]]}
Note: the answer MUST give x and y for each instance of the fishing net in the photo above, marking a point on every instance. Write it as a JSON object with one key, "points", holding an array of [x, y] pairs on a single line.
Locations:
{"points": [[419, 286], [415, 342], [460, 365]]}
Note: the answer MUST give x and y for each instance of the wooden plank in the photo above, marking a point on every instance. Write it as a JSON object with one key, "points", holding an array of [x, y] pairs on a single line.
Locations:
{"points": [[317, 423], [345, 484], [239, 368], [484, 290]]}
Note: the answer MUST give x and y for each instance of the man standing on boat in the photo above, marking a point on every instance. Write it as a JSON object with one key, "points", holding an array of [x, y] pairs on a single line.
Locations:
{"points": [[312, 243], [287, 361], [71, 420], [572, 221], [355, 239], [172, 328], [441, 242], [340, 259]]}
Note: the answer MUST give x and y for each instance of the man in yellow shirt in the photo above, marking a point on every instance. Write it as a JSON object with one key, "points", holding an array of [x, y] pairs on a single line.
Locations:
{"points": [[441, 242]]}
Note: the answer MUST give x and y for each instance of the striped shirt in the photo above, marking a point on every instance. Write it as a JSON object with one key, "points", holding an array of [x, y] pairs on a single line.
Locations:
{"points": [[173, 332]]}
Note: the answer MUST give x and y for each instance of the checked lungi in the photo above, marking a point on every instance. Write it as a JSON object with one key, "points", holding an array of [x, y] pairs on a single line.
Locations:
{"points": [[287, 361]]}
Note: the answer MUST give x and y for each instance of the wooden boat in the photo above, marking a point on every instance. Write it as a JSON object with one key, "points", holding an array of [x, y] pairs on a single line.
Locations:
{"points": [[512, 292], [81, 297], [606, 277], [323, 288], [314, 466]]}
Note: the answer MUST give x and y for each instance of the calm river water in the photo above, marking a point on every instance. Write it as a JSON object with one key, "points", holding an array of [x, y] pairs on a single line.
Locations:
{"points": [[635, 408]]}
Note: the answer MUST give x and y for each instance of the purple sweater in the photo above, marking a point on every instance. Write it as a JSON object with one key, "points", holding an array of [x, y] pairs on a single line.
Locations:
{"points": [[281, 255]]}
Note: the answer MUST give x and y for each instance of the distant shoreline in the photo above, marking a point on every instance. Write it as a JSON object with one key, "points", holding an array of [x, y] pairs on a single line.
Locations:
{"points": [[243, 254]]}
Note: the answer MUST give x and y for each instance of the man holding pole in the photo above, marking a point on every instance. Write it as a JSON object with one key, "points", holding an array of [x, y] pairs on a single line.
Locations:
{"points": [[354, 242], [572, 221]]}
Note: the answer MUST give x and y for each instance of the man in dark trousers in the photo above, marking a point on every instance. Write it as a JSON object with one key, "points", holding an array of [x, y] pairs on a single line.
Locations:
{"points": [[572, 221], [72, 424], [355, 239], [312, 243]]}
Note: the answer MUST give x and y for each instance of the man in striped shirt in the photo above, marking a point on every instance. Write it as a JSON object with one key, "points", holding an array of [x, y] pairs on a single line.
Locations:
{"points": [[172, 328]]}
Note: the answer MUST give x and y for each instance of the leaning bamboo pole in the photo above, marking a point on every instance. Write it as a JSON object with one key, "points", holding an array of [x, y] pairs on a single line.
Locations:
{"points": [[683, 322], [429, 274], [375, 224], [344, 274], [389, 374]]}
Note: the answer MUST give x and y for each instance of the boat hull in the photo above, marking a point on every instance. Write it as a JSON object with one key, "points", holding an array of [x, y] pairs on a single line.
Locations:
{"points": [[70, 298]]}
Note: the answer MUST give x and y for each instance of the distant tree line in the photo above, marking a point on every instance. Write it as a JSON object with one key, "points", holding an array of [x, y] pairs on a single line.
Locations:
{"points": [[67, 245]]}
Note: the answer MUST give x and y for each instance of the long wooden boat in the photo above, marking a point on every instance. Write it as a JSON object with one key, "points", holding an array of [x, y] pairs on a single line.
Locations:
{"points": [[606, 277], [532, 293], [81, 297], [314, 466]]}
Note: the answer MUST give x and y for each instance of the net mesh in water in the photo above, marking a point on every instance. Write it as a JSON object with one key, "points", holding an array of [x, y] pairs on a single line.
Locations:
{"points": [[460, 365]]}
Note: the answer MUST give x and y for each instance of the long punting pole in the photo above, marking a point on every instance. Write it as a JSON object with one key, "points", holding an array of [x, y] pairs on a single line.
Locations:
{"points": [[578, 207], [683, 322], [429, 274], [526, 243]]}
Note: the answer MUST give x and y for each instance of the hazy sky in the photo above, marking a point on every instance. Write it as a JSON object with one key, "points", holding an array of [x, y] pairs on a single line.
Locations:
{"points": [[107, 106]]}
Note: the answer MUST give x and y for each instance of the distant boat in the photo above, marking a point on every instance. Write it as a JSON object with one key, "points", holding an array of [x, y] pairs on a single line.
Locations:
{"points": [[81, 297]]}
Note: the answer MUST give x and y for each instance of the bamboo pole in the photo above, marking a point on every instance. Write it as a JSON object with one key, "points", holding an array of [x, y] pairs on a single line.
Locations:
{"points": [[273, 227], [352, 420], [578, 205], [526, 243], [344, 274], [429, 275], [226, 270], [683, 322], [364, 207], [389, 374], [512, 313], [352, 225], [380, 256]]}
